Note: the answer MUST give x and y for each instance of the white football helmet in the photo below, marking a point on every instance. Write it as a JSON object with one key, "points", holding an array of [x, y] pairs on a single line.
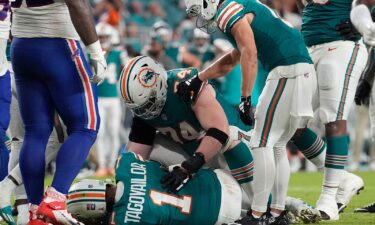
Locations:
{"points": [[105, 30], [205, 11], [86, 201], [143, 86]]}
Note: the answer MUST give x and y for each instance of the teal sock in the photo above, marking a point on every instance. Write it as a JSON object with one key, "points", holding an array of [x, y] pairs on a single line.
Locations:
{"points": [[337, 152], [310, 144], [240, 162]]}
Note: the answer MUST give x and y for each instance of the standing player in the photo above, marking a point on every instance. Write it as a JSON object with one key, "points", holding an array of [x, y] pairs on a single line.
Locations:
{"points": [[108, 141], [339, 64], [52, 73], [258, 33]]}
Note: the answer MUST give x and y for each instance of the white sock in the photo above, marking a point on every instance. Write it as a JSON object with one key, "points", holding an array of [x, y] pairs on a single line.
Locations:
{"points": [[280, 187], [332, 179], [274, 214], [6, 188], [264, 177], [319, 160], [23, 214], [33, 209], [53, 195]]}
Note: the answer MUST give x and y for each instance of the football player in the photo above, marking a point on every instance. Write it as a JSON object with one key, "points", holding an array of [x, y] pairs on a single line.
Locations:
{"points": [[203, 130], [51, 74], [286, 102], [339, 61], [108, 141], [138, 197]]}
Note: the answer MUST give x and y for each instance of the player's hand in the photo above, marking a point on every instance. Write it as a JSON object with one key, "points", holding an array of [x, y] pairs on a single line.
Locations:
{"points": [[362, 93], [189, 89], [97, 62], [369, 35], [347, 30], [175, 179], [246, 111]]}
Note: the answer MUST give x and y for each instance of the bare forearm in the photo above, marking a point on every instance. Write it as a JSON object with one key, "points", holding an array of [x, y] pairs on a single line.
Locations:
{"points": [[82, 18], [249, 67], [220, 67], [209, 147]]}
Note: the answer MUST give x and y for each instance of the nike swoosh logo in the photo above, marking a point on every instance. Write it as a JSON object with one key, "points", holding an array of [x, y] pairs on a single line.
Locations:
{"points": [[331, 49]]}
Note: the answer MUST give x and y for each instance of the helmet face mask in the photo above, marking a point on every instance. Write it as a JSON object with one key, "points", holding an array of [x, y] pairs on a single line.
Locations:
{"points": [[205, 11]]}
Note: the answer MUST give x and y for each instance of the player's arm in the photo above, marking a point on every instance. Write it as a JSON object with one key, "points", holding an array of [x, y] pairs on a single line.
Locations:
{"points": [[212, 118], [141, 138], [363, 91], [82, 18], [360, 16]]}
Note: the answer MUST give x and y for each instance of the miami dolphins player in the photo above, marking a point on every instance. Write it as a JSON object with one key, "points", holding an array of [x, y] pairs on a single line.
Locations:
{"points": [[109, 103], [210, 126], [258, 33], [339, 62]]}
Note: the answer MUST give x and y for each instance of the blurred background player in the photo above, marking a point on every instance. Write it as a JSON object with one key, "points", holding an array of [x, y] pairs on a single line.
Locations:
{"points": [[41, 44], [108, 141]]}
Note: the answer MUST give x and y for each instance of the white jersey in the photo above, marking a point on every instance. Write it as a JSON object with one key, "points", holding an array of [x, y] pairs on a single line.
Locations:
{"points": [[5, 27], [52, 20]]}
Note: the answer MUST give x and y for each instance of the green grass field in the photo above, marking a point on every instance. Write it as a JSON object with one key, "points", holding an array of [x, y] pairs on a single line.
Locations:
{"points": [[307, 187]]}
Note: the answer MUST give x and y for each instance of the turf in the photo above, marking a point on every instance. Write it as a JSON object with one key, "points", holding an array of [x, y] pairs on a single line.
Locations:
{"points": [[307, 187]]}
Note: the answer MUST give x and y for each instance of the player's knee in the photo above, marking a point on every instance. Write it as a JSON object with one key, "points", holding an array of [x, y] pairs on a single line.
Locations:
{"points": [[39, 132], [336, 128], [86, 134]]}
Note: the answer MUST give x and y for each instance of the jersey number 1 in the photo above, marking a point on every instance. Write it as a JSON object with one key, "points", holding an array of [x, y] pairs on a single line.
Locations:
{"points": [[32, 3], [161, 198]]}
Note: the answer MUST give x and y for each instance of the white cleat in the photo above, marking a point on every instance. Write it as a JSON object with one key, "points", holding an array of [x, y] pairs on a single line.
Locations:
{"points": [[327, 207], [350, 186], [299, 211]]}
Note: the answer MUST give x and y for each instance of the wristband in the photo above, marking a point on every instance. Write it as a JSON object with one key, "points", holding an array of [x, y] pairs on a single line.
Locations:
{"points": [[95, 50], [219, 135], [194, 163]]}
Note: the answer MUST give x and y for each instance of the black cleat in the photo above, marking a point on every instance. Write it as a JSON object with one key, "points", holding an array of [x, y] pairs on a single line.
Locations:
{"points": [[366, 209], [282, 219], [324, 216], [250, 220]]}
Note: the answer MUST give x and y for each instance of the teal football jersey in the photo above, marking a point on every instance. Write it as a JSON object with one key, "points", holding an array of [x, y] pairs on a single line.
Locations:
{"points": [[177, 119], [277, 43], [145, 202], [320, 18], [109, 86]]}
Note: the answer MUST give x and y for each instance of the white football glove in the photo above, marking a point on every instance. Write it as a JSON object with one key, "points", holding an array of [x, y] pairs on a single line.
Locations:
{"points": [[369, 35], [97, 62]]}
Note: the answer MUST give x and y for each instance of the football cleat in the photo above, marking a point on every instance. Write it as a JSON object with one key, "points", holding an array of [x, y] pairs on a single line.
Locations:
{"points": [[366, 209], [34, 220], [53, 210], [301, 212], [327, 207], [350, 186], [250, 220], [6, 214], [282, 219]]}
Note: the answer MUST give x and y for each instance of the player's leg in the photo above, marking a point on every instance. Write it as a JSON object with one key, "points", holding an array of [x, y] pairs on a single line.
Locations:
{"points": [[114, 133], [337, 84], [102, 142], [75, 99]]}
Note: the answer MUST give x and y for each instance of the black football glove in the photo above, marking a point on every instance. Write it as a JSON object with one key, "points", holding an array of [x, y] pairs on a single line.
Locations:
{"points": [[347, 30], [362, 94], [180, 175], [246, 111], [189, 89]]}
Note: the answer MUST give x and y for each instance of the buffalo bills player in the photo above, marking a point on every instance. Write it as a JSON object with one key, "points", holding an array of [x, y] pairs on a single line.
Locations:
{"points": [[51, 73]]}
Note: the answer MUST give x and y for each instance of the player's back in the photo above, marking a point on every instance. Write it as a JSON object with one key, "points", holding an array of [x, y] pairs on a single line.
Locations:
{"points": [[145, 202], [320, 18], [277, 43], [42, 19]]}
